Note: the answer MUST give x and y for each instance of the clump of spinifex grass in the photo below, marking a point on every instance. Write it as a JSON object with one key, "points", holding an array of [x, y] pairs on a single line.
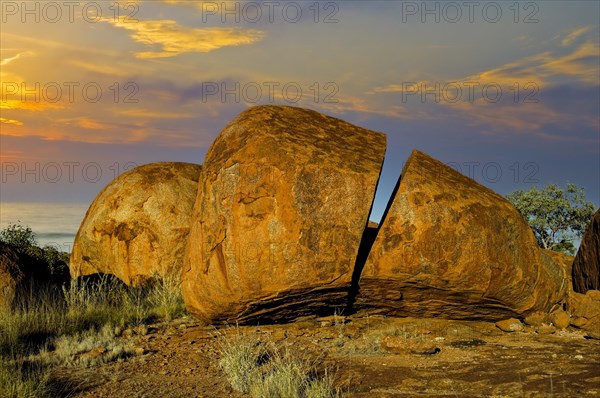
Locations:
{"points": [[58, 328], [264, 370]]}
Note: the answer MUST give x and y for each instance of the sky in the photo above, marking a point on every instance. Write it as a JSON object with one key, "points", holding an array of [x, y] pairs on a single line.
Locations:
{"points": [[505, 92]]}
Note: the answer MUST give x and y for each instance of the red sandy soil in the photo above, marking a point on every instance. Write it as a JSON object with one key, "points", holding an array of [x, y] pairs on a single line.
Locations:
{"points": [[418, 358]]}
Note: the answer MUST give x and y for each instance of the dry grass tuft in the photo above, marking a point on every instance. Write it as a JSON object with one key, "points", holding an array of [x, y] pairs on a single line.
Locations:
{"points": [[264, 370]]}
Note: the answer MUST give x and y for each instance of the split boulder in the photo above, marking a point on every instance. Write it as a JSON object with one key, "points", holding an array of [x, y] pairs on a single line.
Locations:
{"points": [[452, 248], [284, 197]]}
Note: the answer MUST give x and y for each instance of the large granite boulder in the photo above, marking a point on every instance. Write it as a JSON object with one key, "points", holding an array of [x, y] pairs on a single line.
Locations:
{"points": [[284, 197], [586, 266], [449, 247], [11, 276], [137, 226]]}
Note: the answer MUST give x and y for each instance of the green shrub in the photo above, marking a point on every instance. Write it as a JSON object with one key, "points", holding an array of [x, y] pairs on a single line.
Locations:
{"points": [[18, 236]]}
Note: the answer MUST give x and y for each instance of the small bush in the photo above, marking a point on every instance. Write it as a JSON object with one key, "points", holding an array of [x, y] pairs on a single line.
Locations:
{"points": [[86, 349], [18, 236], [265, 371]]}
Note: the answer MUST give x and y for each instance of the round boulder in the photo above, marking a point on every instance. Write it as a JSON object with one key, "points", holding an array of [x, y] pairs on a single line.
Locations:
{"points": [[137, 226]]}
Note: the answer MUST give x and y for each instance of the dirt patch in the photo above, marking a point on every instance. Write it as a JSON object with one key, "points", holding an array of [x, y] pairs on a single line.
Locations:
{"points": [[463, 359]]}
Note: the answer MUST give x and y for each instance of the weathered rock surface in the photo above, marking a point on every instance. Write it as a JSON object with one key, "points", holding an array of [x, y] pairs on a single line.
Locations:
{"points": [[11, 275], [586, 266], [586, 311], [285, 197], [452, 248], [137, 226], [564, 260]]}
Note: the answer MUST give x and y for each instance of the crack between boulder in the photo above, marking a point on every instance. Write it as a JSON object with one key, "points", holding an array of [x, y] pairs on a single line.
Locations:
{"points": [[366, 244]]}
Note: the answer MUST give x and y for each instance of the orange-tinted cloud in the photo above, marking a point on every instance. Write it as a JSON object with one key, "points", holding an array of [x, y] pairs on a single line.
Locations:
{"points": [[174, 39], [6, 61], [11, 121], [543, 69], [576, 58]]}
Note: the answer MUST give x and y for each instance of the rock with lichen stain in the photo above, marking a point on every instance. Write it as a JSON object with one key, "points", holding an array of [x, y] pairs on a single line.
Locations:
{"points": [[449, 247], [286, 195], [137, 226]]}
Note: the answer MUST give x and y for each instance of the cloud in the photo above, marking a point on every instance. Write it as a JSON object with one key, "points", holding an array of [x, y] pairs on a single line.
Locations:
{"points": [[10, 121], [28, 105], [544, 69], [174, 39], [568, 69], [145, 113], [581, 64], [573, 36], [6, 61]]}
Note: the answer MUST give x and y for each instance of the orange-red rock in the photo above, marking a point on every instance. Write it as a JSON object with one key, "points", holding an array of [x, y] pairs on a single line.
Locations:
{"points": [[586, 266], [285, 195], [137, 226], [452, 248], [564, 260]]}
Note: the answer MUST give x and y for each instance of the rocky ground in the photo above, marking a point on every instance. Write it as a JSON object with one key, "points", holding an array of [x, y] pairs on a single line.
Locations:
{"points": [[369, 356]]}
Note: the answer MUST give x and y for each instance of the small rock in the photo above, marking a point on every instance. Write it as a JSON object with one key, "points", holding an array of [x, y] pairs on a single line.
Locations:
{"points": [[400, 345], [578, 356], [536, 319], [593, 294], [579, 321], [510, 325], [139, 351], [393, 344], [561, 319], [545, 329]]}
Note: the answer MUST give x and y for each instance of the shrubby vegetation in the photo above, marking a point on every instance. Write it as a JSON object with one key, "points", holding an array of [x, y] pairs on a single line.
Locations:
{"points": [[53, 326], [557, 216], [264, 370], [24, 241]]}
